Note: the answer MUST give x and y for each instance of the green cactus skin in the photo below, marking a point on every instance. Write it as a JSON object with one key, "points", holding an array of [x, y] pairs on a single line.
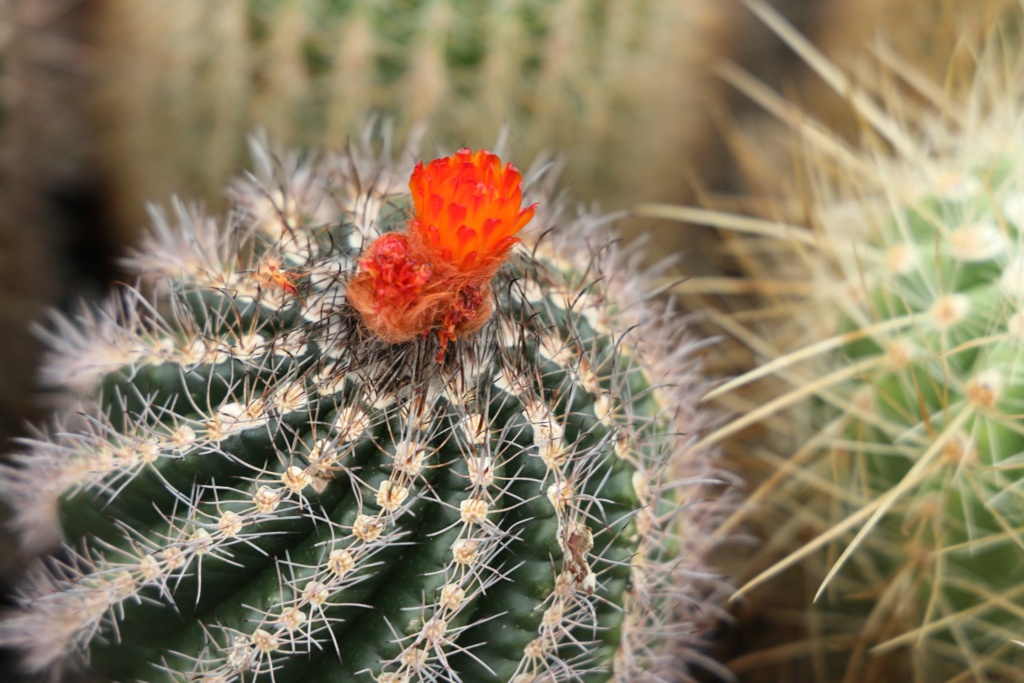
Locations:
{"points": [[898, 380], [250, 486]]}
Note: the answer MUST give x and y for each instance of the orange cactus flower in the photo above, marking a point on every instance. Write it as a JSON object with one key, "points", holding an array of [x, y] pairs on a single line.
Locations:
{"points": [[436, 278], [467, 210]]}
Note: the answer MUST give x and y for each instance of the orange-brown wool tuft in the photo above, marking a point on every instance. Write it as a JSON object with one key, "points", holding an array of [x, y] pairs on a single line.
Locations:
{"points": [[270, 273], [388, 289], [468, 209]]}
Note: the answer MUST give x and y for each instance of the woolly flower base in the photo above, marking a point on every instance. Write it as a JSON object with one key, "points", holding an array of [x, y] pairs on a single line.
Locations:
{"points": [[252, 485]]}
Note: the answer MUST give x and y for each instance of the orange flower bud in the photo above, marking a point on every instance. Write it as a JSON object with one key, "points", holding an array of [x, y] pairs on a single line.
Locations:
{"points": [[388, 289], [468, 209]]}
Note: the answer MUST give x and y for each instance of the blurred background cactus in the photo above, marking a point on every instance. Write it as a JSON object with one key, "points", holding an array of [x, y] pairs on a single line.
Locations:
{"points": [[883, 412], [250, 483], [596, 80]]}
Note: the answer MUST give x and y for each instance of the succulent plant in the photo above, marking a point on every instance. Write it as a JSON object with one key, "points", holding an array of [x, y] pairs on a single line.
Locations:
{"points": [[585, 77], [313, 444], [891, 377]]}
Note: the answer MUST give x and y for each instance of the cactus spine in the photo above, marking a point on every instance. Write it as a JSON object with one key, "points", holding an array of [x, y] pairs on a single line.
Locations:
{"points": [[250, 484], [896, 378]]}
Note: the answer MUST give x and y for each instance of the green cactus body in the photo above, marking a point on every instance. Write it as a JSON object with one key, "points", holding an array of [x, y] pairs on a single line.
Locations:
{"points": [[251, 485], [898, 386]]}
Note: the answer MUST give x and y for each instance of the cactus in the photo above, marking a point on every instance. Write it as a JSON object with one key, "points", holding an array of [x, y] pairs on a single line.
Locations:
{"points": [[585, 77], [892, 376], [312, 445]]}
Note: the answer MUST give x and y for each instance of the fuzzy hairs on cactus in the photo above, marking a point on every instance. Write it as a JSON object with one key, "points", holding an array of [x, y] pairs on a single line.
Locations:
{"points": [[891, 373], [249, 484]]}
